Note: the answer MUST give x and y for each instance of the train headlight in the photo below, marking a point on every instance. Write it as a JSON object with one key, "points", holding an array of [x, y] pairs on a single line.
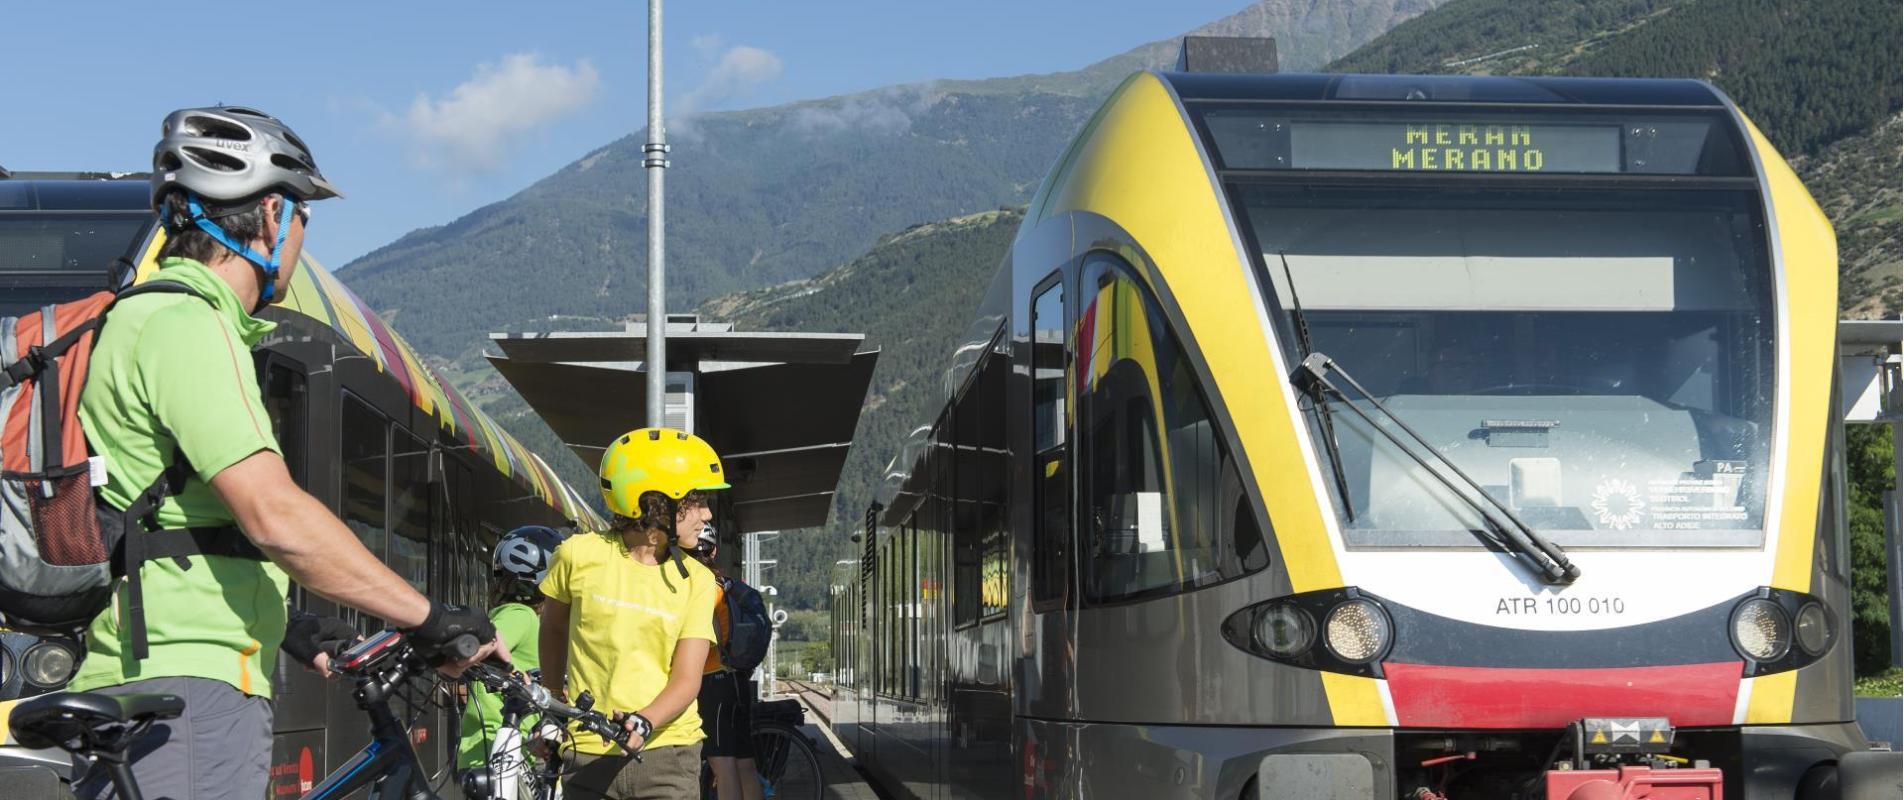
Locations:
{"points": [[1283, 630], [1356, 631], [47, 665], [1761, 630], [1812, 629]]}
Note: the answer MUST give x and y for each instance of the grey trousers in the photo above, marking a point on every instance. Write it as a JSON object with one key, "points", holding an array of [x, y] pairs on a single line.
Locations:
{"points": [[219, 749]]}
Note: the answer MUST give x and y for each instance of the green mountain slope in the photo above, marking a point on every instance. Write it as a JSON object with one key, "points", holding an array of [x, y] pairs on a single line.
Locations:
{"points": [[769, 195], [913, 295], [1856, 182], [1808, 73]]}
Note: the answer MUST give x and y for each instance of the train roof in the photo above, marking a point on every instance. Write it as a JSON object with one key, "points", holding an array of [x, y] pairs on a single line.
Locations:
{"points": [[318, 295], [1468, 89], [23, 191]]}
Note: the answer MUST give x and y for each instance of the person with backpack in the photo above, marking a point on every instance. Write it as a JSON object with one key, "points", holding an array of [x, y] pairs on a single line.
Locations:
{"points": [[521, 559], [176, 508], [727, 686], [630, 619]]}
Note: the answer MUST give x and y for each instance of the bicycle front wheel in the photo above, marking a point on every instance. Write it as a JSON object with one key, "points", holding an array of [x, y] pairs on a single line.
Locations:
{"points": [[787, 763]]}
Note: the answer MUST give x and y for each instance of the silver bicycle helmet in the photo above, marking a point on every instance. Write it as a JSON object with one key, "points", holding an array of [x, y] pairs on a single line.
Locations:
{"points": [[231, 153]]}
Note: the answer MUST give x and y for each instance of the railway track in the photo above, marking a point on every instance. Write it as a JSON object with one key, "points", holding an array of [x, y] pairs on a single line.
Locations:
{"points": [[818, 700]]}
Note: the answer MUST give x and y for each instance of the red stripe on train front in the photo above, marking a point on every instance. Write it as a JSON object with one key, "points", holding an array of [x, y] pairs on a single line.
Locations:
{"points": [[1497, 697]]}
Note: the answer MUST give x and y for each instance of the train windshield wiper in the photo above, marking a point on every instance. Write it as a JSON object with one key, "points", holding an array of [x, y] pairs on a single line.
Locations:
{"points": [[1323, 417], [1516, 535]]}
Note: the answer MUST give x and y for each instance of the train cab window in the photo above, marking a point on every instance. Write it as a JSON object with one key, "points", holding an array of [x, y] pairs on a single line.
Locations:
{"points": [[363, 467], [410, 509], [1165, 508], [1050, 424], [1604, 361]]}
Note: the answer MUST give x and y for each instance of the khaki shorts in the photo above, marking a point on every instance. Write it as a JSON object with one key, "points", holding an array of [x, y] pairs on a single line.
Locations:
{"points": [[664, 773]]}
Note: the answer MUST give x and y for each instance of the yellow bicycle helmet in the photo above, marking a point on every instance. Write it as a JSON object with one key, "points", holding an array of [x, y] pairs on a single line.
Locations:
{"points": [[665, 460]]}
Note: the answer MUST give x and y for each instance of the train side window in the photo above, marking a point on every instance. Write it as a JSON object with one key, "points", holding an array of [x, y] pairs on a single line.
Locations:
{"points": [[1166, 510], [952, 436], [410, 509], [287, 403], [363, 467], [1050, 444]]}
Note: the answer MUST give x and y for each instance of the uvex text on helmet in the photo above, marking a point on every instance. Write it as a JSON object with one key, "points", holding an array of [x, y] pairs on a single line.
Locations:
{"points": [[229, 154]]}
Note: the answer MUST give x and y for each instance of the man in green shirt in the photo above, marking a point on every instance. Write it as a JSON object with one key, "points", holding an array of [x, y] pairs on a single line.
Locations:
{"points": [[521, 559], [171, 382]]}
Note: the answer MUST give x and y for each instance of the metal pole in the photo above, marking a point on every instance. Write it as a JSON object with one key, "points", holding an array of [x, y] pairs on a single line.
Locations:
{"points": [[655, 160], [1893, 561]]}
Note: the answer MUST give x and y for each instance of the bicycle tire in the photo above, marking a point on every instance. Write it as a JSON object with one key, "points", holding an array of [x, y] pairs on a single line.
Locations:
{"points": [[788, 762]]}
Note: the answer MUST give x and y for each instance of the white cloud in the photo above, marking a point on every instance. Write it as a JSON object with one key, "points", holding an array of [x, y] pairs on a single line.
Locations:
{"points": [[887, 111], [707, 44], [477, 124], [741, 68]]}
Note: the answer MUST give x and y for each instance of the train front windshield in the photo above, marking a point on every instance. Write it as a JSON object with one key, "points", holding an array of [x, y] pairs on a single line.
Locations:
{"points": [[1598, 352]]}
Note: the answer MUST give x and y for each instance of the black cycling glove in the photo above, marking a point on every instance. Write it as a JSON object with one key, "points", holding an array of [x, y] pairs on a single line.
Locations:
{"points": [[307, 634], [447, 622]]}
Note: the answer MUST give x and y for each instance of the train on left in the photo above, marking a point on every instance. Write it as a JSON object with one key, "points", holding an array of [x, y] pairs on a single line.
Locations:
{"points": [[421, 475]]}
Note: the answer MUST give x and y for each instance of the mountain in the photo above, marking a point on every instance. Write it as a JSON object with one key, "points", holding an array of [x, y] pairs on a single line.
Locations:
{"points": [[1855, 181], [769, 195], [912, 294]]}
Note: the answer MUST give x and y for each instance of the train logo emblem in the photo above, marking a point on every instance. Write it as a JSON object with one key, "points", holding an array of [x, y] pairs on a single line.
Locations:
{"points": [[1618, 504]]}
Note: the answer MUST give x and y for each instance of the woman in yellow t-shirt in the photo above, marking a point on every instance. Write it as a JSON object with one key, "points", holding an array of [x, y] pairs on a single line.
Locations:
{"points": [[630, 619]]}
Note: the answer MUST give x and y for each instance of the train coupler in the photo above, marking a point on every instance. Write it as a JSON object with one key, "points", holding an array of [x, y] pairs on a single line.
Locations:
{"points": [[1606, 742], [1630, 783]]}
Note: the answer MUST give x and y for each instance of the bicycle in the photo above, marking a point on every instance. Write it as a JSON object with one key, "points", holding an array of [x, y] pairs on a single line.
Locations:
{"points": [[100, 728], [503, 776], [788, 763]]}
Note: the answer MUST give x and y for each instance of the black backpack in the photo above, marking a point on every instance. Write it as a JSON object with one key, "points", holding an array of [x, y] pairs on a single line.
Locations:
{"points": [[749, 630]]}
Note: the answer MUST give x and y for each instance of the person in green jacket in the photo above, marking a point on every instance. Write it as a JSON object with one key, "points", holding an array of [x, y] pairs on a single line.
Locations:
{"points": [[521, 559]]}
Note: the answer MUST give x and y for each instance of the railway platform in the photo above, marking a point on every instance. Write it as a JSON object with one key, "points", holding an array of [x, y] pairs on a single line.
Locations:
{"points": [[844, 781]]}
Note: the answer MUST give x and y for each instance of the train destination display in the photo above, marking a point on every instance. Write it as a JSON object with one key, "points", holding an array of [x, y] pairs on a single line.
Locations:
{"points": [[1453, 147]]}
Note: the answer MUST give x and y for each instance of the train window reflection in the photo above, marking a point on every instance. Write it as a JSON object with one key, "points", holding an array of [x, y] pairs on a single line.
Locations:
{"points": [[1160, 487], [362, 463], [287, 405], [410, 510], [1602, 360], [81, 243]]}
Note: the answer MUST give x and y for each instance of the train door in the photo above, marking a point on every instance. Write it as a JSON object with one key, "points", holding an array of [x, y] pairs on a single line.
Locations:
{"points": [[1046, 645], [411, 525]]}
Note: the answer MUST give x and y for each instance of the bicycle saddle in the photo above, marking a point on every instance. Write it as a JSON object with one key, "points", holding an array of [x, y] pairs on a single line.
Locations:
{"points": [[49, 720]]}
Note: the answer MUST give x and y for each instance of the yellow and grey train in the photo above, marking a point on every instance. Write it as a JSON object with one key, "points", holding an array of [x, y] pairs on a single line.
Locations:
{"points": [[1345, 436]]}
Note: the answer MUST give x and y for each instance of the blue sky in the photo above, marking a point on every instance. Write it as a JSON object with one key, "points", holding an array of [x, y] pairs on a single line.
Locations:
{"points": [[423, 111]]}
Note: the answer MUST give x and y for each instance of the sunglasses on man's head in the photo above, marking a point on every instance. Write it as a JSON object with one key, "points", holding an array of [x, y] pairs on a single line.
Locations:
{"points": [[303, 212]]}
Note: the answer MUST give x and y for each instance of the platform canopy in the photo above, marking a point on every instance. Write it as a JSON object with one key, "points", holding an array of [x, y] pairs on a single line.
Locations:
{"points": [[781, 408]]}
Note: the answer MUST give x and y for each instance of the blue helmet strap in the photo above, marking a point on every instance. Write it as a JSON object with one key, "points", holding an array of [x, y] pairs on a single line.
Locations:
{"points": [[266, 265]]}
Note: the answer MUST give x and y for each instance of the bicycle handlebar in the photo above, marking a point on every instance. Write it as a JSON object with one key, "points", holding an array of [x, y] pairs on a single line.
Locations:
{"points": [[539, 698]]}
